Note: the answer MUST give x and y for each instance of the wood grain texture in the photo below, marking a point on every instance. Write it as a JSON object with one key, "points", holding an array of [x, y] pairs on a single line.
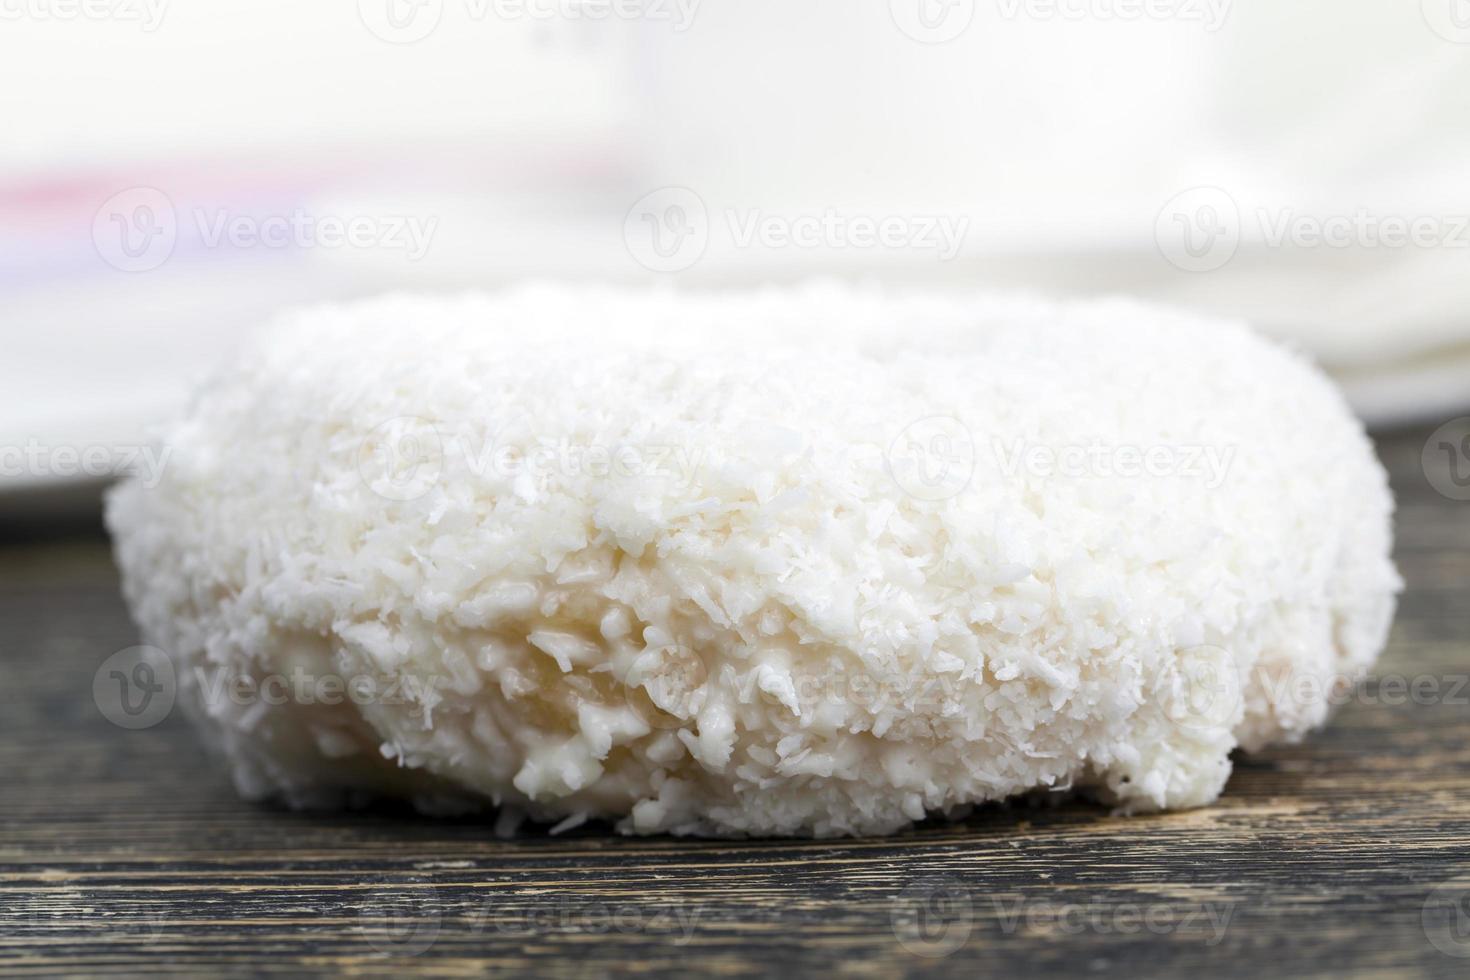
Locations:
{"points": [[128, 852]]}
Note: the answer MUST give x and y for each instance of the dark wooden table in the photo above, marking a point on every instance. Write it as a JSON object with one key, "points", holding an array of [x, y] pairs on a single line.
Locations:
{"points": [[127, 851]]}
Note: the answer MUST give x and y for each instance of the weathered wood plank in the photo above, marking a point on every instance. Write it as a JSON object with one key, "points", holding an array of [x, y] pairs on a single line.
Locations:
{"points": [[128, 852]]}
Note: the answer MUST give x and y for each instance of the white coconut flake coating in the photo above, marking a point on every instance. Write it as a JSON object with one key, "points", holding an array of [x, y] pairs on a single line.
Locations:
{"points": [[823, 560]]}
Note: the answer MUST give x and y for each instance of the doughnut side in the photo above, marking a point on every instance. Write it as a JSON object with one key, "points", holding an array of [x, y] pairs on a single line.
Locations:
{"points": [[815, 561]]}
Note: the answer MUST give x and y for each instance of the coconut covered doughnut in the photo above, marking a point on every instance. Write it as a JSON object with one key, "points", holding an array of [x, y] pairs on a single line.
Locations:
{"points": [[812, 561]]}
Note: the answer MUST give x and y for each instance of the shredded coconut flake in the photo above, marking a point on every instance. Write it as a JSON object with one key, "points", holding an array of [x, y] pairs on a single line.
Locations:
{"points": [[814, 561]]}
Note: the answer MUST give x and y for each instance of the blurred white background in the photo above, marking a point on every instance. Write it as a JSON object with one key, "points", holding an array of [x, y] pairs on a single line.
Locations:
{"points": [[174, 171]]}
